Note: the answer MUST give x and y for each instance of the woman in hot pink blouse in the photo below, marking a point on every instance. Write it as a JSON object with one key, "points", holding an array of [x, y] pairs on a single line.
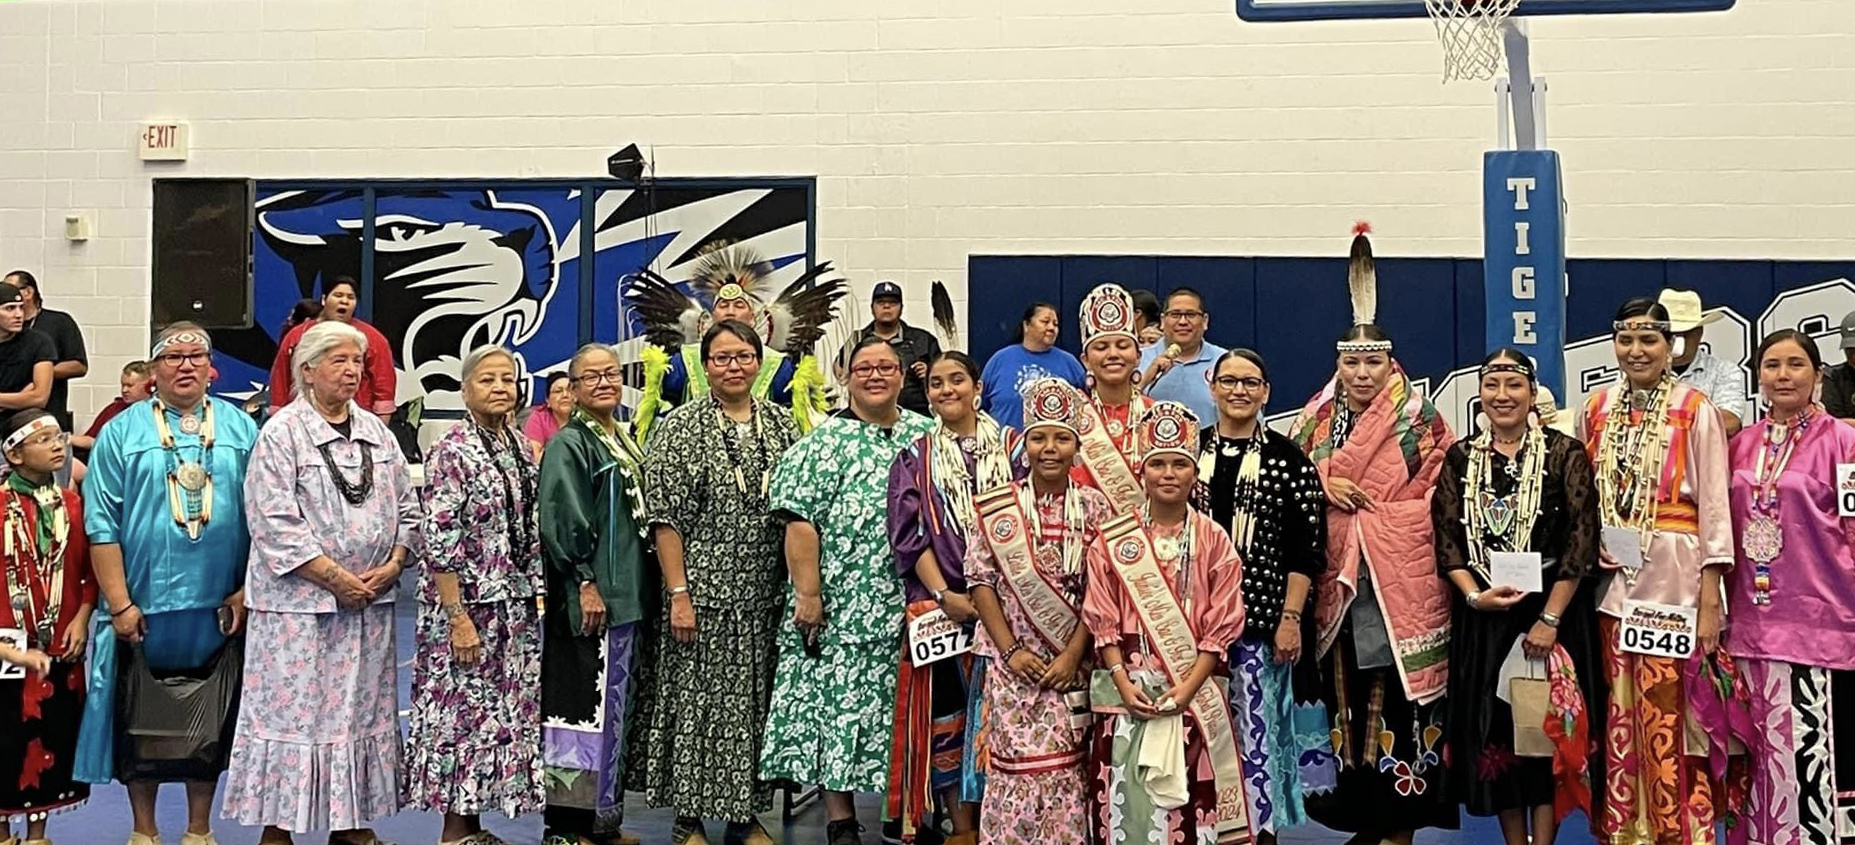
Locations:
{"points": [[1793, 622]]}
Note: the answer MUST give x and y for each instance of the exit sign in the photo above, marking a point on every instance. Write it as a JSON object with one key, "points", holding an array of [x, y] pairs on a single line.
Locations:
{"points": [[164, 140]]}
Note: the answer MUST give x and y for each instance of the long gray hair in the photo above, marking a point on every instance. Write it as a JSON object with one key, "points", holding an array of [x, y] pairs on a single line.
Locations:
{"points": [[318, 342]]}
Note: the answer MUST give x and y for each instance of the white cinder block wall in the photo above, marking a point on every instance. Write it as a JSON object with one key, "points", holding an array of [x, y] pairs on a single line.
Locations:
{"points": [[936, 128]]}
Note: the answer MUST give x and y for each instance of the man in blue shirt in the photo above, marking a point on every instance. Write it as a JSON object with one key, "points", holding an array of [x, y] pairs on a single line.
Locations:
{"points": [[1182, 361]]}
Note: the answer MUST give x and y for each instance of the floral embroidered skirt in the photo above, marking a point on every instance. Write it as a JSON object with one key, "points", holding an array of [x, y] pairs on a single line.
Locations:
{"points": [[1390, 751], [1804, 767], [1037, 788], [39, 743], [317, 745], [704, 715], [475, 739], [832, 717]]}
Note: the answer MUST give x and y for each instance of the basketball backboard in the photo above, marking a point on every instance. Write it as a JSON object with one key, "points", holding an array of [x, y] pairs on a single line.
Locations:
{"points": [[1328, 10]]}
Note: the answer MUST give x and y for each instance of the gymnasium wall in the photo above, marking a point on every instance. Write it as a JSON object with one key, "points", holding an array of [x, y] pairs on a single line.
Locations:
{"points": [[935, 129]]}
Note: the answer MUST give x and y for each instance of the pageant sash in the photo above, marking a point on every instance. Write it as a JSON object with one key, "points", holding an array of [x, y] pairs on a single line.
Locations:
{"points": [[1169, 634], [1106, 463], [1003, 519]]}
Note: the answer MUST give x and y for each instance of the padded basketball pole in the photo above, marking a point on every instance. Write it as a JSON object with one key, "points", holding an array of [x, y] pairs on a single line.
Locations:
{"points": [[1519, 94]]}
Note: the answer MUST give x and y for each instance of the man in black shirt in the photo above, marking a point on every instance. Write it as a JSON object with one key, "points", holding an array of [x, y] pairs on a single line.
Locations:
{"points": [[25, 356], [917, 348], [1839, 380], [69, 359]]}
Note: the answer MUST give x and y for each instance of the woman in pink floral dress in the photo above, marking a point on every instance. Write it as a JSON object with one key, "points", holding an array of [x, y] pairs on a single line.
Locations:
{"points": [[1025, 572], [333, 517], [475, 742]]}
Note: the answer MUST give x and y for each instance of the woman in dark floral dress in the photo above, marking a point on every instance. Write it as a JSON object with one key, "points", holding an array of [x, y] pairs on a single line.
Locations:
{"points": [[44, 621], [705, 486], [476, 678]]}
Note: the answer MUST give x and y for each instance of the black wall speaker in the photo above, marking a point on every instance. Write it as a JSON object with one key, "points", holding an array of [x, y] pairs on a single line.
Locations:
{"points": [[202, 252]]}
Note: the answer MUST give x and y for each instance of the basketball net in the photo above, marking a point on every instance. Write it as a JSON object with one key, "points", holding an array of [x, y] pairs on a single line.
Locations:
{"points": [[1470, 31]]}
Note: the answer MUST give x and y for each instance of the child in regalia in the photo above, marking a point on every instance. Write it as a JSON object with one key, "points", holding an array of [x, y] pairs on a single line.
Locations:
{"points": [[43, 626]]}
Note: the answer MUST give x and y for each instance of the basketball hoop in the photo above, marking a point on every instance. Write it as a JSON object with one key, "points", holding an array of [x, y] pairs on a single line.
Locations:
{"points": [[1470, 32]]}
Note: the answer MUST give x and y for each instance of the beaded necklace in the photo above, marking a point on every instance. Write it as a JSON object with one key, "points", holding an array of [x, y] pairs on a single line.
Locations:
{"points": [[518, 492], [729, 433], [947, 460], [1763, 536], [1630, 458], [35, 586], [1502, 523], [189, 483]]}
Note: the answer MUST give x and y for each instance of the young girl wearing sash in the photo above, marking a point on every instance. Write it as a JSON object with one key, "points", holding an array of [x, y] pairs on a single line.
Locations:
{"points": [[1660, 454], [1381, 614], [45, 623], [1165, 603], [1267, 494], [1025, 567], [1105, 427], [932, 485], [1520, 490]]}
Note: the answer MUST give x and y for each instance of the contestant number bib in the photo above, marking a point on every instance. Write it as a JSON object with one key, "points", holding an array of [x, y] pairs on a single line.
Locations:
{"points": [[1845, 490], [933, 637], [1659, 630]]}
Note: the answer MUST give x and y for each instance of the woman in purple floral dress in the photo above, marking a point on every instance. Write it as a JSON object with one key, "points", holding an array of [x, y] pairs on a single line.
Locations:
{"points": [[475, 742], [333, 519]]}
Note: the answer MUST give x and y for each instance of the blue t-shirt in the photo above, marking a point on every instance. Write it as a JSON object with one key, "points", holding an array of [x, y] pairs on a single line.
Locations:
{"points": [[1013, 368]]}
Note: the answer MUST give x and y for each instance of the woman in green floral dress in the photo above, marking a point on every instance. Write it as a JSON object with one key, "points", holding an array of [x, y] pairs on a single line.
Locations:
{"points": [[705, 484], [834, 694]]}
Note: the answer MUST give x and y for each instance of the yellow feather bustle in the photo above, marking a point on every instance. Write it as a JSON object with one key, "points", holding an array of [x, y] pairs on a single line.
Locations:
{"points": [[656, 365]]}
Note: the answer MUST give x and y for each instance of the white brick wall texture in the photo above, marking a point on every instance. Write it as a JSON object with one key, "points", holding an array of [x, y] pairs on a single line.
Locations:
{"points": [[936, 128]]}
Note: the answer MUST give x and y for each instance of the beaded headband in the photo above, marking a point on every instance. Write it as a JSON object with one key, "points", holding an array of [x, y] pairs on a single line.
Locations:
{"points": [[1107, 311], [731, 290], [1167, 428], [26, 431], [1638, 324], [1363, 346], [1508, 367], [180, 337], [1051, 402]]}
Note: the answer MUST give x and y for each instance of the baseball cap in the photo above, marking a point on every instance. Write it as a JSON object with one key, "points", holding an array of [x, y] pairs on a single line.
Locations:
{"points": [[1848, 330], [886, 290], [8, 293]]}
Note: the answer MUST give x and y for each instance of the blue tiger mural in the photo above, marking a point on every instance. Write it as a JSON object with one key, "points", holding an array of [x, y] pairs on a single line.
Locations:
{"points": [[455, 268]]}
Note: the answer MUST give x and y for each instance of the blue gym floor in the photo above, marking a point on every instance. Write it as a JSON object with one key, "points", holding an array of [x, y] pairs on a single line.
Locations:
{"points": [[105, 820]]}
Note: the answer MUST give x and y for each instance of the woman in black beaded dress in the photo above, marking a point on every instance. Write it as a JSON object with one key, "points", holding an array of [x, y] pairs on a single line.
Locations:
{"points": [[1518, 487], [1267, 494]]}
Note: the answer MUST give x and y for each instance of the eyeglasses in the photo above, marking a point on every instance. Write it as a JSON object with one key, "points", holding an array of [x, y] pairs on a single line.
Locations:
{"points": [[738, 359], [1183, 315], [867, 370], [175, 359], [1249, 383], [595, 379]]}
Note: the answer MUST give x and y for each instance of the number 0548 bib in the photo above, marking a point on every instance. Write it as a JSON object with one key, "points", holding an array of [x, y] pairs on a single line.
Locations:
{"points": [[1658, 630]]}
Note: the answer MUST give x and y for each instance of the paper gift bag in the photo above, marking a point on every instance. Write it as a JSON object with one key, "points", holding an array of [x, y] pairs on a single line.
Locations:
{"points": [[1531, 700]]}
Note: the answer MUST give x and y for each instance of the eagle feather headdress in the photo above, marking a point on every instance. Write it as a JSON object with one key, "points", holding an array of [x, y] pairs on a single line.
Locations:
{"points": [[1362, 289], [792, 322]]}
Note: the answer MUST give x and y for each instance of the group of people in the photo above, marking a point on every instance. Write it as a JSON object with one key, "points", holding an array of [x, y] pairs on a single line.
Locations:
{"points": [[1048, 612]]}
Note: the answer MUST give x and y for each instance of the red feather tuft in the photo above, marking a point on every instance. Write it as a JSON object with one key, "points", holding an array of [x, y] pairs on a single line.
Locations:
{"points": [[1362, 228]]}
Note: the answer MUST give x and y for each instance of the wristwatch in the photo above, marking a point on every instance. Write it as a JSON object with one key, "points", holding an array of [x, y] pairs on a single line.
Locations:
{"points": [[1550, 620], [937, 594], [1475, 599]]}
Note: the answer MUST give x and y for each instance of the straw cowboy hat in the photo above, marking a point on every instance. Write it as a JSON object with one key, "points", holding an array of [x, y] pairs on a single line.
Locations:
{"points": [[1684, 311]]}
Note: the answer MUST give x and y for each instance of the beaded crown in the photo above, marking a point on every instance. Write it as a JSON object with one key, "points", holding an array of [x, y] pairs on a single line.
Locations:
{"points": [[1051, 401], [1107, 311], [1167, 427]]}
